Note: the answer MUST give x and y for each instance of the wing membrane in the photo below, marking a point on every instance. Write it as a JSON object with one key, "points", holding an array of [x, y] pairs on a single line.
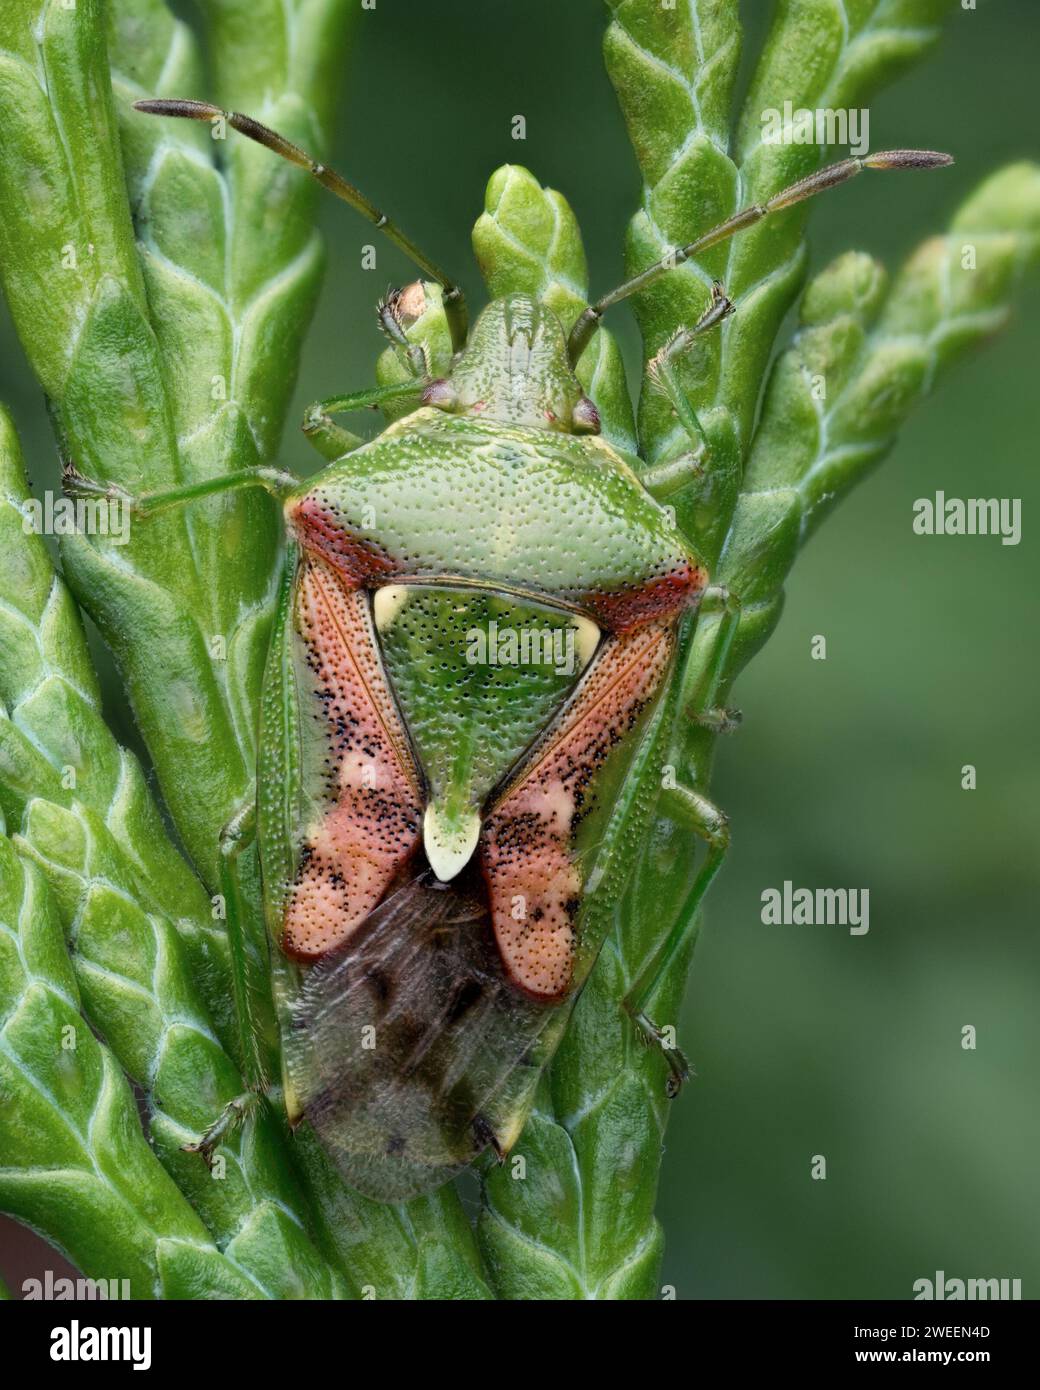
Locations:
{"points": [[412, 1051]]}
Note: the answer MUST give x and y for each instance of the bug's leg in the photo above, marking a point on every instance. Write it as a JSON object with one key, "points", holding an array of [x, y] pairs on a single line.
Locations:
{"points": [[829, 177], [272, 480], [454, 303], [695, 812], [256, 1049], [716, 628], [668, 477], [332, 441], [249, 974]]}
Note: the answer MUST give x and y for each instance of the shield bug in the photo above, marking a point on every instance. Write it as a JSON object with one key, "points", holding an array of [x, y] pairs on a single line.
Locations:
{"points": [[465, 713]]}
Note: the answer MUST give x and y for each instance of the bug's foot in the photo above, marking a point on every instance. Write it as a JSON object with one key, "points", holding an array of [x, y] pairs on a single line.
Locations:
{"points": [[720, 299], [76, 484], [722, 721], [487, 1138], [652, 1035], [229, 1119], [683, 339]]}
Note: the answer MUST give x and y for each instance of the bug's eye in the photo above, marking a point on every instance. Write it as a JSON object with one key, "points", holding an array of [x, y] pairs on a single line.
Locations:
{"points": [[585, 419], [440, 393]]}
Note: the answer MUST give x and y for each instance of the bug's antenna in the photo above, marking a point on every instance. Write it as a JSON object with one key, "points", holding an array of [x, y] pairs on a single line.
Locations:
{"points": [[829, 177], [454, 303]]}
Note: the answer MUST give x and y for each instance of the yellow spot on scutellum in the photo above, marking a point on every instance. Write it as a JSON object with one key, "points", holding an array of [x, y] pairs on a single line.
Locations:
{"points": [[387, 603], [586, 640]]}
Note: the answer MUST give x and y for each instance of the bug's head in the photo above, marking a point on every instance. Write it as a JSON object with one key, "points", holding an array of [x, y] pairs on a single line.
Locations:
{"points": [[515, 369]]}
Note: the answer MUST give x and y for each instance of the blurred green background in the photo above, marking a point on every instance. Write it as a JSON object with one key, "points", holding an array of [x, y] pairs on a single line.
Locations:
{"points": [[847, 772]]}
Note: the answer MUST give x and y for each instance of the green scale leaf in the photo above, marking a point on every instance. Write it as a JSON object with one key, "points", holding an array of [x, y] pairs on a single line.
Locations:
{"points": [[74, 1163]]}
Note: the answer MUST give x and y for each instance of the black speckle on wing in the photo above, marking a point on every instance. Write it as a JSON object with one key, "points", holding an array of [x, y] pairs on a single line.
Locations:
{"points": [[411, 1051]]}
